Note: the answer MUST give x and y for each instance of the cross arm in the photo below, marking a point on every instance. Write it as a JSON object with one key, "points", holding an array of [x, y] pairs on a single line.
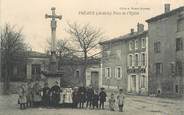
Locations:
{"points": [[59, 17], [48, 16]]}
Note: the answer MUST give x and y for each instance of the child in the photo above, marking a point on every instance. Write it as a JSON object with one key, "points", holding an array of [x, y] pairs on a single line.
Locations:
{"points": [[22, 97], [95, 99], [102, 96], [37, 94], [111, 102], [120, 99], [29, 94]]}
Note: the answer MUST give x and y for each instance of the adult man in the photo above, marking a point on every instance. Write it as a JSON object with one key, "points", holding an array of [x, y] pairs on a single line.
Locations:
{"points": [[89, 96], [82, 96], [102, 97], [55, 94], [46, 95], [75, 97]]}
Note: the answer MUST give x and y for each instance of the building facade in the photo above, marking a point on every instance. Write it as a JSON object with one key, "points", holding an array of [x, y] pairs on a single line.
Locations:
{"points": [[124, 62], [166, 56], [73, 73], [137, 65]]}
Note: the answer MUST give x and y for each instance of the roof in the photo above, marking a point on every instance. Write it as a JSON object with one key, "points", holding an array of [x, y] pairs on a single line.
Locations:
{"points": [[35, 54], [80, 61], [164, 15], [124, 37]]}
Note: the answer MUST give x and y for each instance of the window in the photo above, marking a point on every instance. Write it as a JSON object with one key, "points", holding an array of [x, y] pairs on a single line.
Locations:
{"points": [[157, 46], [179, 44], [136, 59], [158, 68], [180, 25], [176, 89], [131, 45], [118, 72], [143, 59], [77, 73], [136, 44], [142, 81], [107, 72], [118, 52], [172, 67], [179, 68], [108, 52], [143, 42], [36, 69], [130, 60]]}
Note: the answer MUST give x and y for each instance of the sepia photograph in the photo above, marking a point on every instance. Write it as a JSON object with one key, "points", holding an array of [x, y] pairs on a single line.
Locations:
{"points": [[92, 57]]}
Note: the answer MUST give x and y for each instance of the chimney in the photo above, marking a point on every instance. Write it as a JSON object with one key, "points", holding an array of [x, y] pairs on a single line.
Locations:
{"points": [[140, 28], [131, 31], [167, 7]]}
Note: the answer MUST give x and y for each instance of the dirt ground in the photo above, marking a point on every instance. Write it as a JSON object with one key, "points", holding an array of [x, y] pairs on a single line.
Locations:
{"points": [[134, 105]]}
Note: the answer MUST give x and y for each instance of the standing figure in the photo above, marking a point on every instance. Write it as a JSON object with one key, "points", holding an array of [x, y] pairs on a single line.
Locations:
{"points": [[89, 97], [46, 95], [37, 98], [120, 99], [55, 94], [82, 96], [112, 102], [29, 95], [75, 98], [102, 97], [22, 97], [95, 99]]}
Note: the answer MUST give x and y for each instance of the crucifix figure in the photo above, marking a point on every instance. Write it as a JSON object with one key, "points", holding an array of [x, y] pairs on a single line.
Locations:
{"points": [[53, 28], [53, 16]]}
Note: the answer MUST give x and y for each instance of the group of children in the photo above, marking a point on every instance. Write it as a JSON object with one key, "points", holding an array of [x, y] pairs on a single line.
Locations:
{"points": [[95, 99], [90, 96], [120, 101], [33, 95]]}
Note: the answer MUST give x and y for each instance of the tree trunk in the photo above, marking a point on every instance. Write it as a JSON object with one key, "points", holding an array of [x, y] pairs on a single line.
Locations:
{"points": [[85, 67], [7, 77]]}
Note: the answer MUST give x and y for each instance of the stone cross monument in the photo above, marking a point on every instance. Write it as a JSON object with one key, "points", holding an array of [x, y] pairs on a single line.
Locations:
{"points": [[53, 61]]}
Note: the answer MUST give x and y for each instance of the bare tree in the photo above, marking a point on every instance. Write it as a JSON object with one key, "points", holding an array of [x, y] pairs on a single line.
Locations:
{"points": [[13, 50], [63, 50], [87, 38]]}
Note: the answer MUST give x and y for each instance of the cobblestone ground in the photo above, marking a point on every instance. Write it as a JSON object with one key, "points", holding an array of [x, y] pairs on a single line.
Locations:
{"points": [[134, 105]]}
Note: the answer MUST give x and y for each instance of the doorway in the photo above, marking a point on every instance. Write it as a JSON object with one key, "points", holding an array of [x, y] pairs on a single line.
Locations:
{"points": [[95, 79], [133, 83]]}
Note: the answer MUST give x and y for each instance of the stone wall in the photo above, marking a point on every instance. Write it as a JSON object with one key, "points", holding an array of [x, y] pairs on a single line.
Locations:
{"points": [[165, 31]]}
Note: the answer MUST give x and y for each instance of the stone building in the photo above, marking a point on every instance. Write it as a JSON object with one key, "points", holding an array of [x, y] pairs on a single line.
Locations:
{"points": [[166, 56], [73, 70], [124, 62], [36, 62]]}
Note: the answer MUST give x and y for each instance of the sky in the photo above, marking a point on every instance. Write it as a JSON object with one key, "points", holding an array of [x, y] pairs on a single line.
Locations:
{"points": [[30, 16]]}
